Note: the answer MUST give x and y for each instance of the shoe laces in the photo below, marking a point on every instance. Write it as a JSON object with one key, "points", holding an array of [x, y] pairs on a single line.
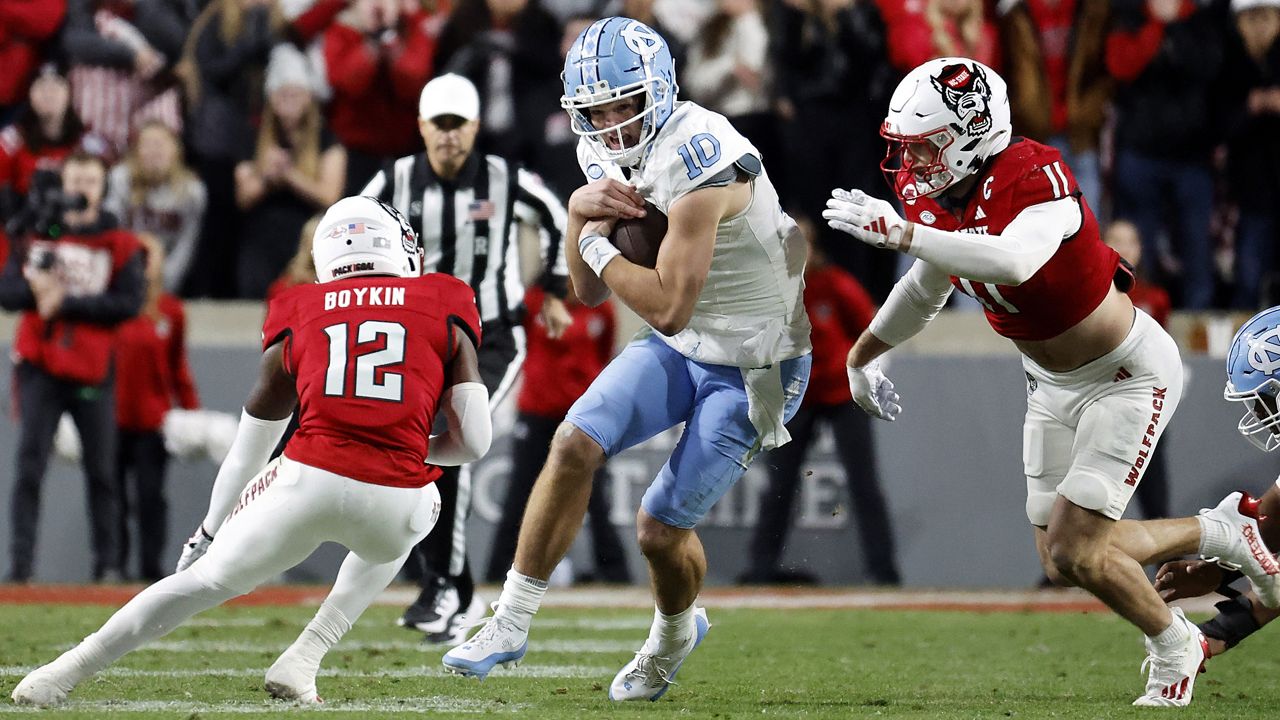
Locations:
{"points": [[1164, 669], [1224, 564], [648, 666], [493, 624]]}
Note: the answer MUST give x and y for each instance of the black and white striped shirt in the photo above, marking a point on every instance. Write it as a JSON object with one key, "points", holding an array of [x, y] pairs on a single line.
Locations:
{"points": [[470, 226]]}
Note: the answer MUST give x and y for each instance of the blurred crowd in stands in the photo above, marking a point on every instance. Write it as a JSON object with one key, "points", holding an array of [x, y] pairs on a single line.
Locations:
{"points": [[228, 123]]}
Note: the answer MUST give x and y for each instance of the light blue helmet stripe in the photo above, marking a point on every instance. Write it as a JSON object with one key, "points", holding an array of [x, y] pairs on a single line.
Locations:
{"points": [[590, 50]]}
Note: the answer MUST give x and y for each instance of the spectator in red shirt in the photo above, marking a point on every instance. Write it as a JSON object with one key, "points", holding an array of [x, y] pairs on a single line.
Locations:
{"points": [[25, 26], [47, 130], [556, 372], [839, 310], [941, 28], [378, 55], [1153, 491], [73, 291], [151, 376]]}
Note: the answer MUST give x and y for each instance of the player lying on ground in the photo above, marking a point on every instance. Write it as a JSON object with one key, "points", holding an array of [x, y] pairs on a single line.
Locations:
{"points": [[1253, 379], [1001, 219], [729, 355], [368, 354]]}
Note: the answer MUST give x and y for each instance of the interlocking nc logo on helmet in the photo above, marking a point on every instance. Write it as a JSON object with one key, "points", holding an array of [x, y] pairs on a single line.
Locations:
{"points": [[641, 40], [1264, 351], [966, 93]]}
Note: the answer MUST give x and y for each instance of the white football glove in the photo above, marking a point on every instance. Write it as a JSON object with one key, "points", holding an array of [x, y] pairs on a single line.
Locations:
{"points": [[873, 392], [871, 220], [194, 548]]}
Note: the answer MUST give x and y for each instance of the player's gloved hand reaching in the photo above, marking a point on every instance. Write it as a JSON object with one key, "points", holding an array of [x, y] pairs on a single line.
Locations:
{"points": [[194, 548], [873, 392], [871, 220]]}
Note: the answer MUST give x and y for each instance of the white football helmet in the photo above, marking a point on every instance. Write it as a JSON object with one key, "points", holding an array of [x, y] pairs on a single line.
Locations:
{"points": [[361, 235], [946, 118]]}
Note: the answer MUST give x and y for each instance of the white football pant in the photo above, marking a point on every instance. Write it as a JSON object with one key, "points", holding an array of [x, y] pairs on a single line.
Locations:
{"points": [[284, 514]]}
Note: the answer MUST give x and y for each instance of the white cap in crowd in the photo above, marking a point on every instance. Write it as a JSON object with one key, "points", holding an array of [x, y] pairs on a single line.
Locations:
{"points": [[1239, 6], [288, 67], [449, 95]]}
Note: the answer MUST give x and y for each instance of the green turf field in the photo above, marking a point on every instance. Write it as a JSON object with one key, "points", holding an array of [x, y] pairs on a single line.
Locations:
{"points": [[754, 663]]}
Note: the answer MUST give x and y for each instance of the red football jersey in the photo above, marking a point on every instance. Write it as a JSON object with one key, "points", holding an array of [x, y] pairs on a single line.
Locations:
{"points": [[368, 355], [839, 310], [557, 372], [1068, 287], [151, 367]]}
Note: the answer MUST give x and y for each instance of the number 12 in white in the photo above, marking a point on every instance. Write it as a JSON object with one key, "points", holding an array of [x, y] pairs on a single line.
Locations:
{"points": [[367, 364]]}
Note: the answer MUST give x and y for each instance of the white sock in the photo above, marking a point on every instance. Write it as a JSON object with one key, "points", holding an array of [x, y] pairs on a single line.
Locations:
{"points": [[323, 632], [1175, 634], [673, 631], [521, 597], [1214, 537]]}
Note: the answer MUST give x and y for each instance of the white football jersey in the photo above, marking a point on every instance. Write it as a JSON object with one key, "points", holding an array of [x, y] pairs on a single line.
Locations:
{"points": [[751, 310]]}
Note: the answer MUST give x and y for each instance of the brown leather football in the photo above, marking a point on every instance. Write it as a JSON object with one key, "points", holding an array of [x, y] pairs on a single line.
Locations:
{"points": [[639, 239]]}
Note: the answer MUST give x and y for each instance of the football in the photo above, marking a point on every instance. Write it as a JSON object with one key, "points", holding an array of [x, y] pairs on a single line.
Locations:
{"points": [[640, 238]]}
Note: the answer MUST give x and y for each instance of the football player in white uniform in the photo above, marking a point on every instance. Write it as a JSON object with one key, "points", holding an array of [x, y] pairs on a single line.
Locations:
{"points": [[728, 355]]}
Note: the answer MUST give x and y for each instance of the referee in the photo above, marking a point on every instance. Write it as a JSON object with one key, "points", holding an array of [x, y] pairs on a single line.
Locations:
{"points": [[471, 211]]}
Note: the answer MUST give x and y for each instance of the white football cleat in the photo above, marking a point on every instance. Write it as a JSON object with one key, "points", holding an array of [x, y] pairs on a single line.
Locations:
{"points": [[1172, 671], [1237, 516], [42, 688], [194, 548], [289, 678], [499, 642], [648, 676]]}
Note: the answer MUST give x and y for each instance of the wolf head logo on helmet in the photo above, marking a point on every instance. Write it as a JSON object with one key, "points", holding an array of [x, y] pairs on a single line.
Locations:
{"points": [[361, 235], [614, 59], [965, 91]]}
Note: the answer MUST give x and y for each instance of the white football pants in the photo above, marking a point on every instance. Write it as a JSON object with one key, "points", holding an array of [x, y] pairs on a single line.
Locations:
{"points": [[284, 514]]}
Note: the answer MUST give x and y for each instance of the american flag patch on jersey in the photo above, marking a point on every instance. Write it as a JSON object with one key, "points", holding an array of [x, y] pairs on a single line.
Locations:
{"points": [[480, 210]]}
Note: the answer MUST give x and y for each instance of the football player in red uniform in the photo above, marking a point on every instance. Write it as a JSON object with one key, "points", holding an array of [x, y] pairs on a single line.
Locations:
{"points": [[369, 355], [1001, 219]]}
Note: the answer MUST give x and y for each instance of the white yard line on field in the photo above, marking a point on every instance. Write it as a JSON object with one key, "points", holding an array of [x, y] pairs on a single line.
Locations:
{"points": [[234, 646], [417, 705], [522, 671]]}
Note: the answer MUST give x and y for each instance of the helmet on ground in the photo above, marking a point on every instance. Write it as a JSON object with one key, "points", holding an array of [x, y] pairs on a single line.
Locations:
{"points": [[946, 119], [361, 235], [613, 59]]}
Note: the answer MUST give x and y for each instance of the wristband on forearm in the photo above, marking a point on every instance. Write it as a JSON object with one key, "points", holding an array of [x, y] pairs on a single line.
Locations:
{"points": [[597, 252]]}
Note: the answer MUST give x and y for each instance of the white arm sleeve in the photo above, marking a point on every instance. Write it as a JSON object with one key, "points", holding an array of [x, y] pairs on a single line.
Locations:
{"points": [[249, 453], [469, 431], [1009, 258], [915, 299]]}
